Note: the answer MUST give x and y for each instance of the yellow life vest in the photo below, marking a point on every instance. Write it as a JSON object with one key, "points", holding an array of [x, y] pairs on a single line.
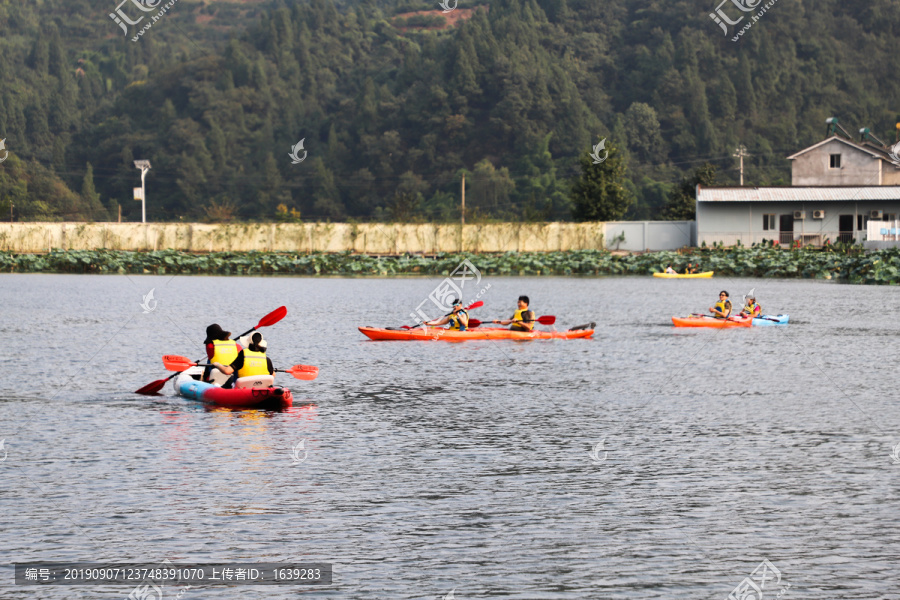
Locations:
{"points": [[456, 323], [720, 306], [753, 311], [521, 315], [255, 363], [225, 352]]}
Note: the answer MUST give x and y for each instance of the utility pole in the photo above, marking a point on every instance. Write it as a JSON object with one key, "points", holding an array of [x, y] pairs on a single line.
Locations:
{"points": [[144, 166], [741, 153]]}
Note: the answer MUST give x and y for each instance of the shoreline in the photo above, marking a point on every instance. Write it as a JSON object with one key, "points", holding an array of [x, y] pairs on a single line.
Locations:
{"points": [[879, 267]]}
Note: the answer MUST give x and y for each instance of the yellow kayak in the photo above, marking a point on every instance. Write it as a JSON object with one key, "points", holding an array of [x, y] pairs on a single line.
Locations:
{"points": [[704, 275]]}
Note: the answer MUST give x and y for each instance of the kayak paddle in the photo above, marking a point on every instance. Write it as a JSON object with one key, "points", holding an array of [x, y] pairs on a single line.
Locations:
{"points": [[181, 363], [478, 304], [545, 320], [270, 319], [305, 372]]}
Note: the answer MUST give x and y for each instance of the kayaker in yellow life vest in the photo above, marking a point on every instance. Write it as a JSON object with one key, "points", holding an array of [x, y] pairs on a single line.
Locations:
{"points": [[250, 362], [458, 318], [722, 309], [522, 319], [752, 309], [220, 348]]}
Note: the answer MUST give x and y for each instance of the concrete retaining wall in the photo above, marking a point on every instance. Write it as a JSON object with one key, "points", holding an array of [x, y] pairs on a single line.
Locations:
{"points": [[306, 237]]}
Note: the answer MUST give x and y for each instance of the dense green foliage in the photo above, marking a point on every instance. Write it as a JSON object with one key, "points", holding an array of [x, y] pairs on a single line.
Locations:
{"points": [[215, 94], [881, 267]]}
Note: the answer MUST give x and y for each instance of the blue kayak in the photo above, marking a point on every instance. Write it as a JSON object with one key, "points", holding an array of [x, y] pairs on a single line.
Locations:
{"points": [[771, 320]]}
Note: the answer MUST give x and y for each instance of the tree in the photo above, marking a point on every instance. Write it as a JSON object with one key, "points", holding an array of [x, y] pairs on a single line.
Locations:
{"points": [[90, 198], [682, 204], [600, 193]]}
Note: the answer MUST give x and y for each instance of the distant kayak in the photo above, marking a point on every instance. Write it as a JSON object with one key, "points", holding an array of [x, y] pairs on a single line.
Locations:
{"points": [[480, 333], [770, 320], [712, 322], [704, 275]]}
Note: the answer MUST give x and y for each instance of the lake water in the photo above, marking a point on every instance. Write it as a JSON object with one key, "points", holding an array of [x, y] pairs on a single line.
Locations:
{"points": [[460, 470]]}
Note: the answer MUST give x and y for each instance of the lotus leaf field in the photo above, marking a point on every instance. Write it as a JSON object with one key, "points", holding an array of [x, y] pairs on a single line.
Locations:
{"points": [[851, 265]]}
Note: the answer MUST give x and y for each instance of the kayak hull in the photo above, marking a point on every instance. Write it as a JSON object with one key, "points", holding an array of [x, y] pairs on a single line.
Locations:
{"points": [[711, 322], [704, 275], [480, 333], [268, 397], [771, 320]]}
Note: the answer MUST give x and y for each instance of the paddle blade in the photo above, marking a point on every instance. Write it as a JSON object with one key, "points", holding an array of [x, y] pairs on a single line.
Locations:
{"points": [[548, 320], [474, 322], [478, 304], [305, 372], [273, 317], [177, 363], [151, 389]]}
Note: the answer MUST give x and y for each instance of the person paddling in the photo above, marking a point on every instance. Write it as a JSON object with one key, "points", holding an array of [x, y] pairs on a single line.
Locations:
{"points": [[670, 270], [250, 362], [751, 309], [220, 348], [522, 319], [458, 318], [722, 309]]}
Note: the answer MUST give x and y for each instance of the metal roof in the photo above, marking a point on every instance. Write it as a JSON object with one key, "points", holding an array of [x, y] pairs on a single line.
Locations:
{"points": [[799, 194]]}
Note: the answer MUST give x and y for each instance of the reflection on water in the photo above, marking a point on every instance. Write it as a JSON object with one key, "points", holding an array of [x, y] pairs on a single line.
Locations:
{"points": [[421, 468]]}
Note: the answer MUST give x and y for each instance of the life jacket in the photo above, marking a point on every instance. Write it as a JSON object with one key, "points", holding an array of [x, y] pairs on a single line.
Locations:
{"points": [[521, 315], [255, 363], [456, 323], [753, 311], [720, 306], [225, 352]]}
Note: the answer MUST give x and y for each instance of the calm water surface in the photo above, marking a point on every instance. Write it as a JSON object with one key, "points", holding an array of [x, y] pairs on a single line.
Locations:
{"points": [[470, 468]]}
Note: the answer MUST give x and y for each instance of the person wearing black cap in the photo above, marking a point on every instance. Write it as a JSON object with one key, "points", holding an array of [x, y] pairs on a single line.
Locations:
{"points": [[250, 362], [458, 319], [220, 348]]}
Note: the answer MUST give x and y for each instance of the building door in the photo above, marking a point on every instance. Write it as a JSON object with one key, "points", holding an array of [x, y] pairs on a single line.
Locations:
{"points": [[845, 225], [786, 228]]}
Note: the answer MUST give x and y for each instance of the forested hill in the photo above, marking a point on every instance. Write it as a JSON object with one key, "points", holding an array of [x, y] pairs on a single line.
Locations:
{"points": [[392, 110]]}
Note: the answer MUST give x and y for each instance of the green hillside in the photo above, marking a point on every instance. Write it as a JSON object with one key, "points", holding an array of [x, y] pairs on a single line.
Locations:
{"points": [[392, 111]]}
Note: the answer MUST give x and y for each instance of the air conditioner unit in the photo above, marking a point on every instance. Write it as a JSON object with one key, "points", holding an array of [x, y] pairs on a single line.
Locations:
{"points": [[876, 214], [799, 214], [818, 214]]}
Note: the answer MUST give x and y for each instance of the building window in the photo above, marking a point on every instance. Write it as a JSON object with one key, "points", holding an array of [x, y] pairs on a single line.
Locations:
{"points": [[862, 222], [835, 161], [768, 222], [890, 217]]}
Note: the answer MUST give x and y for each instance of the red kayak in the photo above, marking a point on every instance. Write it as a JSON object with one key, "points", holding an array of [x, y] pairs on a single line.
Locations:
{"points": [[265, 395]]}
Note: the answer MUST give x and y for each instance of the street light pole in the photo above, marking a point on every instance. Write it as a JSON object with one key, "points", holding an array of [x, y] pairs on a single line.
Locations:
{"points": [[144, 166]]}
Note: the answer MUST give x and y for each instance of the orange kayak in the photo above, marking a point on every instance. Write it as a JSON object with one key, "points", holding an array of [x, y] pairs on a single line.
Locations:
{"points": [[479, 333], [711, 322]]}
